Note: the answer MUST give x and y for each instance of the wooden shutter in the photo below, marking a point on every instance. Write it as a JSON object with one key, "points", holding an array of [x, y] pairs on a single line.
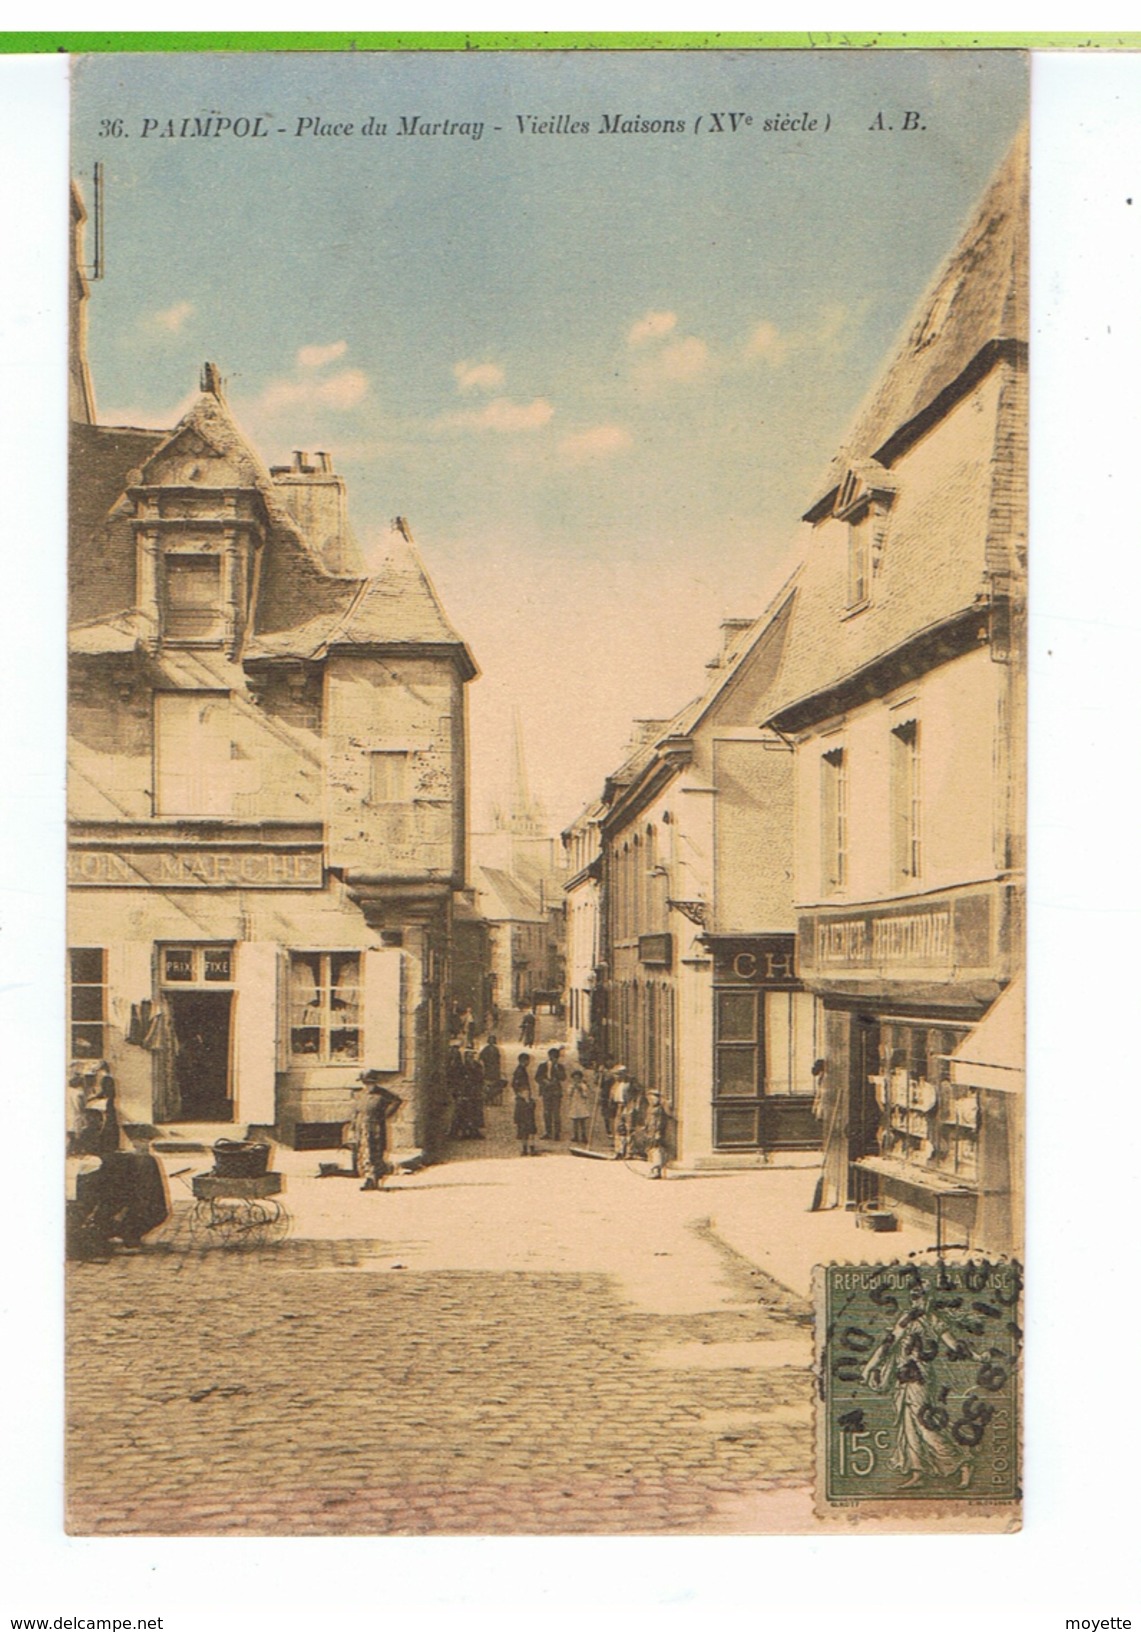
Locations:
{"points": [[130, 979], [382, 980], [283, 1000], [255, 1032]]}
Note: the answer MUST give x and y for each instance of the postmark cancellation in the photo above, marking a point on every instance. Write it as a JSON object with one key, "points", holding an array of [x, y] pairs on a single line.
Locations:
{"points": [[918, 1390]]}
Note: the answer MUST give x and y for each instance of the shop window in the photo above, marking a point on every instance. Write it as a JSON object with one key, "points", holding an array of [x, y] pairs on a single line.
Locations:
{"points": [[388, 776], [87, 1001], [324, 1007], [926, 1121], [906, 801], [194, 753], [192, 603], [790, 1043], [834, 821]]}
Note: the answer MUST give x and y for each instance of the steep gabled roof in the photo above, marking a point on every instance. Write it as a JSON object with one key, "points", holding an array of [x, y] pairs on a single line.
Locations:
{"points": [[302, 611], [503, 898], [944, 528], [395, 608], [209, 427], [977, 303], [753, 658]]}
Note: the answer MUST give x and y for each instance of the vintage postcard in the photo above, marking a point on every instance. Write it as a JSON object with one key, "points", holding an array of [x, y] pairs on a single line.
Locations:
{"points": [[546, 792]]}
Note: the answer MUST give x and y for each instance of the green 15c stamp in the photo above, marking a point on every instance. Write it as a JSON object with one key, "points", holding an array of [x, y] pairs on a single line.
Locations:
{"points": [[918, 1377]]}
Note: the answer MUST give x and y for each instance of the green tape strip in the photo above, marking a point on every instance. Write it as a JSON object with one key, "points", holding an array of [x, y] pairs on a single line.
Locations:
{"points": [[77, 43]]}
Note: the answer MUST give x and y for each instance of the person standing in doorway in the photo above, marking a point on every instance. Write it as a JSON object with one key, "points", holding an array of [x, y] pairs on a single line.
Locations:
{"points": [[527, 1026]]}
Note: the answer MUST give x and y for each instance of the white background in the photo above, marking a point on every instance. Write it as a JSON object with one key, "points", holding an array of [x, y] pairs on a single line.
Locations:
{"points": [[1077, 1553]]}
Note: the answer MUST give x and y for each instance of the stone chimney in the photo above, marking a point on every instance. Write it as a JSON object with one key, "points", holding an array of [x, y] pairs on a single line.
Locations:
{"points": [[211, 382], [315, 497], [731, 631]]}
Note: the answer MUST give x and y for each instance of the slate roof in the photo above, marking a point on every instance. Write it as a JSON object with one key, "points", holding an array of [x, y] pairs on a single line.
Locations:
{"points": [[504, 898], [756, 654], [978, 299], [946, 529], [303, 610]]}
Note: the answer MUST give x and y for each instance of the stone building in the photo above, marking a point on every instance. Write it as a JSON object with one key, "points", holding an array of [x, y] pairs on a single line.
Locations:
{"points": [[903, 691], [700, 995], [583, 890], [266, 787]]}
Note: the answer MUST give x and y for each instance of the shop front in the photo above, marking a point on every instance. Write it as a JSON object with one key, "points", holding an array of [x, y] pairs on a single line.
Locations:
{"points": [[903, 989], [218, 1004], [764, 1044]]}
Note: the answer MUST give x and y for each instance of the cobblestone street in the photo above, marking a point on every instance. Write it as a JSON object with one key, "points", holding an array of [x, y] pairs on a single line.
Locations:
{"points": [[613, 1368]]}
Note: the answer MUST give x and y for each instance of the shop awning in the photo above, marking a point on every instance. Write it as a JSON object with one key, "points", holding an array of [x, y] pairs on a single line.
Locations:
{"points": [[994, 1053]]}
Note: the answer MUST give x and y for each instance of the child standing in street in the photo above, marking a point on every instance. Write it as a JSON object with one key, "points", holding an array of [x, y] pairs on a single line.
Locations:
{"points": [[578, 1107]]}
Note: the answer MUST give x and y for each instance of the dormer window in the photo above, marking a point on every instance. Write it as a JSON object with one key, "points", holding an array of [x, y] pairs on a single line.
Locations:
{"points": [[863, 499], [859, 561], [192, 609]]}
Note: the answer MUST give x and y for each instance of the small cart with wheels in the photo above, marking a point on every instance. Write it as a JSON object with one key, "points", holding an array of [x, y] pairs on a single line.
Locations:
{"points": [[239, 1212]]}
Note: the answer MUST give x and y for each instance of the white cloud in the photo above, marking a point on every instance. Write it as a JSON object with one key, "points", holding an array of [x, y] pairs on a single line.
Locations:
{"points": [[173, 318], [684, 359], [341, 391], [595, 443], [504, 415], [654, 326], [768, 342], [832, 330], [478, 376], [318, 356]]}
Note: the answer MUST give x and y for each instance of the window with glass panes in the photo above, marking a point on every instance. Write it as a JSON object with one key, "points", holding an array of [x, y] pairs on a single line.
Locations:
{"points": [[87, 1001], [196, 965], [740, 1068], [325, 1006], [192, 609], [906, 792], [927, 1120], [859, 561], [833, 821]]}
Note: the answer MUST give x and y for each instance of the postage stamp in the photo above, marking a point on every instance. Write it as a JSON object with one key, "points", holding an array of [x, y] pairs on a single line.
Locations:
{"points": [[918, 1379]]}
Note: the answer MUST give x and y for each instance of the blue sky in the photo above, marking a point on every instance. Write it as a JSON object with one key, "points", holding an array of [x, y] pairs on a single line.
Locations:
{"points": [[601, 374]]}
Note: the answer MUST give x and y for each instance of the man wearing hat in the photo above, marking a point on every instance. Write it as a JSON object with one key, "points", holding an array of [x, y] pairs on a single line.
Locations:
{"points": [[375, 1106]]}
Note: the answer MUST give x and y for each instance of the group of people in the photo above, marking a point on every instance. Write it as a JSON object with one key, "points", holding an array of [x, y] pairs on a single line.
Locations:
{"points": [[466, 1084], [553, 1084], [636, 1122]]}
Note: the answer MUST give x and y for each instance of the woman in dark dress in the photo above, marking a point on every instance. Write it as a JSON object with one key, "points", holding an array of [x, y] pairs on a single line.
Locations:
{"points": [[126, 1196], [524, 1107]]}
